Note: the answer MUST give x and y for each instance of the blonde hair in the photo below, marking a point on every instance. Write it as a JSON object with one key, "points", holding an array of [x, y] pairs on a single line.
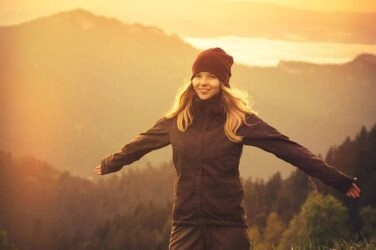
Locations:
{"points": [[235, 102]]}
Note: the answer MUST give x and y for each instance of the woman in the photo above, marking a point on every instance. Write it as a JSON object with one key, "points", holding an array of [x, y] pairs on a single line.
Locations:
{"points": [[207, 128]]}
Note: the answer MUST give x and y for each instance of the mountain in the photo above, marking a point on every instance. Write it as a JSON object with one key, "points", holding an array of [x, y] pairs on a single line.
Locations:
{"points": [[315, 105], [75, 87]]}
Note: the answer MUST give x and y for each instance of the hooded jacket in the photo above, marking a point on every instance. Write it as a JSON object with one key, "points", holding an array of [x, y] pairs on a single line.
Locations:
{"points": [[208, 190]]}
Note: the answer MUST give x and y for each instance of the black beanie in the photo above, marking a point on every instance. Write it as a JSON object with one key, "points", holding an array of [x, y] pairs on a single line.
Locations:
{"points": [[215, 61]]}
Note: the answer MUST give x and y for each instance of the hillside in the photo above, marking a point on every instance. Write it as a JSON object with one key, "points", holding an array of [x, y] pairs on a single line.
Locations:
{"points": [[76, 86]]}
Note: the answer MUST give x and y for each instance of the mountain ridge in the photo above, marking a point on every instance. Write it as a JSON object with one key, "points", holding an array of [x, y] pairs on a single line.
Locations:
{"points": [[296, 67]]}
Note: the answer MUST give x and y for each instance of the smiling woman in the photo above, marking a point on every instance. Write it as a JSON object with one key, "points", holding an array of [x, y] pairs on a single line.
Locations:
{"points": [[207, 129]]}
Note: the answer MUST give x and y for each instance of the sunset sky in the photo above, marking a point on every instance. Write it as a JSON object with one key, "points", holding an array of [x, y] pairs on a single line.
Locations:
{"points": [[12, 12], [324, 5]]}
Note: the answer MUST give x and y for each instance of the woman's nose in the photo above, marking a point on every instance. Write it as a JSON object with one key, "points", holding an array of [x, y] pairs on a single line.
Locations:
{"points": [[203, 80]]}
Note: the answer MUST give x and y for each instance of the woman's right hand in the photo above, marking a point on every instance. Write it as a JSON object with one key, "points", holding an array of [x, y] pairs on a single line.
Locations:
{"points": [[98, 170], [354, 191]]}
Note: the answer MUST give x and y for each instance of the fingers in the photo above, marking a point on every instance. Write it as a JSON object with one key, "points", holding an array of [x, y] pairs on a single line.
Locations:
{"points": [[356, 187], [98, 170], [354, 191], [352, 194]]}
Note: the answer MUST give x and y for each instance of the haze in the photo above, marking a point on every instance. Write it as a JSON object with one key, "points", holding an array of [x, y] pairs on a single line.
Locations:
{"points": [[151, 12]]}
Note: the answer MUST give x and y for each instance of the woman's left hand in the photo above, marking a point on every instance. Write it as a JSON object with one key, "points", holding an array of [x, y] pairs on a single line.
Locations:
{"points": [[354, 191]]}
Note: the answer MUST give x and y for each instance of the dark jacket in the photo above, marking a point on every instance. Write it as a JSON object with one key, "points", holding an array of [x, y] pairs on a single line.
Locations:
{"points": [[207, 188]]}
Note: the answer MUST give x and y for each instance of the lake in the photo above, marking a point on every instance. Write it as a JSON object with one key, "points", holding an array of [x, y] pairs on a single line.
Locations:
{"points": [[266, 52]]}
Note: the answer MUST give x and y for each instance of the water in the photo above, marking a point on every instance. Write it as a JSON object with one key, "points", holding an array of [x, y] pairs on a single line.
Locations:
{"points": [[266, 52]]}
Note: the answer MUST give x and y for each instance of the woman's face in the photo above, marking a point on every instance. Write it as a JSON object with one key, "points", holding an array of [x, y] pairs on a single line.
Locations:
{"points": [[206, 85]]}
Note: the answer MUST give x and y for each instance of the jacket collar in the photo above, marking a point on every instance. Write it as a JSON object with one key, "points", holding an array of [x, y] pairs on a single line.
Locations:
{"points": [[211, 106]]}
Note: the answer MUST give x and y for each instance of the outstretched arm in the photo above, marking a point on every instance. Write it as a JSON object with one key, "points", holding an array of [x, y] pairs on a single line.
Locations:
{"points": [[259, 134], [155, 138]]}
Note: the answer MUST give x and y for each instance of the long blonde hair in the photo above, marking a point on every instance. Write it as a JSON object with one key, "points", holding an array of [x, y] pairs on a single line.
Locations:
{"points": [[235, 102]]}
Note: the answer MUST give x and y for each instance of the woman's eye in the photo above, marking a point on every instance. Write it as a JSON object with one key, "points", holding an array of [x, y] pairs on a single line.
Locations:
{"points": [[212, 76]]}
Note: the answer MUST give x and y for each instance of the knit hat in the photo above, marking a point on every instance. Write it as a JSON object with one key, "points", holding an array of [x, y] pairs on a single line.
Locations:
{"points": [[215, 61]]}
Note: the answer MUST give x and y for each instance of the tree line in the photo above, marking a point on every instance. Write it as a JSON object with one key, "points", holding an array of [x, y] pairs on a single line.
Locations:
{"points": [[43, 208]]}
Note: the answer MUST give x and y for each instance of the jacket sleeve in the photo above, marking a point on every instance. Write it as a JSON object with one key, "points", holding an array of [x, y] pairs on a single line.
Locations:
{"points": [[258, 133], [154, 138]]}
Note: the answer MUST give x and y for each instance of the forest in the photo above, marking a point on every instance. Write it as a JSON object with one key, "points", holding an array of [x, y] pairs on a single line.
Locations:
{"points": [[45, 208]]}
